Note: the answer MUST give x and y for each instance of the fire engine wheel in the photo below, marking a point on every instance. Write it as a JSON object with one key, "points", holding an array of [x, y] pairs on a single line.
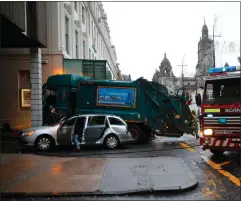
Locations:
{"points": [[217, 152]]}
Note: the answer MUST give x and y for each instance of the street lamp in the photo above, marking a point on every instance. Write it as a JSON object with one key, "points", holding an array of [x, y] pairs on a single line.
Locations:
{"points": [[182, 69]]}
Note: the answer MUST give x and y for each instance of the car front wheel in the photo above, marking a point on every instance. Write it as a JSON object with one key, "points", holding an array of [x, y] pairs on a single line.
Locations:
{"points": [[111, 142], [44, 143]]}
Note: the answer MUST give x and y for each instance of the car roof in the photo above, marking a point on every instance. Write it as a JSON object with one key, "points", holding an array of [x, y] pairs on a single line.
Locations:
{"points": [[87, 115]]}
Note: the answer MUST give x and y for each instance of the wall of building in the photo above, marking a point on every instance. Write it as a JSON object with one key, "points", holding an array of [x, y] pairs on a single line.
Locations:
{"points": [[11, 112], [85, 33], [88, 38], [14, 77]]}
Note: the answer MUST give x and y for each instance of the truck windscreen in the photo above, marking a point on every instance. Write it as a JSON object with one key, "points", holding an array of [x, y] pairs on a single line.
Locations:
{"points": [[49, 97], [224, 90]]}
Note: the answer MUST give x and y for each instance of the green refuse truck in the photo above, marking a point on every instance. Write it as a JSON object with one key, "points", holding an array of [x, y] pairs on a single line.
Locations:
{"points": [[146, 106]]}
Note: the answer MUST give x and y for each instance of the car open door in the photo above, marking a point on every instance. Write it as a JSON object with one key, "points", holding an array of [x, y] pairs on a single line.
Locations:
{"points": [[64, 133], [95, 129]]}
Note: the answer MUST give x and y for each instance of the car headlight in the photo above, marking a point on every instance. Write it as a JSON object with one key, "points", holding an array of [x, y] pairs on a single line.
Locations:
{"points": [[208, 132], [28, 133]]}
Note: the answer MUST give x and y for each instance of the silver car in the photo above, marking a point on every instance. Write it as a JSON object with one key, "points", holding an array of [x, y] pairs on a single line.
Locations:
{"points": [[108, 130]]}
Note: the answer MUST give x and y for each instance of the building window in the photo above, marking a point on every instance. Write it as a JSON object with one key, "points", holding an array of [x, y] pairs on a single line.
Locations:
{"points": [[100, 47], [89, 24], [67, 34], [76, 6], [92, 28], [76, 45], [94, 32], [83, 14], [97, 43], [83, 49], [89, 53], [96, 9]]}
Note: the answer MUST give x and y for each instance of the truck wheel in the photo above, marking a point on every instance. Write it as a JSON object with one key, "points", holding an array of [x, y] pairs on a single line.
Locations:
{"points": [[137, 135], [217, 152]]}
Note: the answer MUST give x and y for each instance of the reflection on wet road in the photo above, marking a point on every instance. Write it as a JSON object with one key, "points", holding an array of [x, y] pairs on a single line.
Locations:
{"points": [[218, 178]]}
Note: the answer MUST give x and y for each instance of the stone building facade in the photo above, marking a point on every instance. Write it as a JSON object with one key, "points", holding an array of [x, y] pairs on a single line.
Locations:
{"points": [[205, 61], [71, 30], [205, 53], [165, 75]]}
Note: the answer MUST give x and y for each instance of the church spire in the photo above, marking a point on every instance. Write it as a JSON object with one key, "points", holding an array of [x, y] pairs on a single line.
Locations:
{"points": [[204, 30]]}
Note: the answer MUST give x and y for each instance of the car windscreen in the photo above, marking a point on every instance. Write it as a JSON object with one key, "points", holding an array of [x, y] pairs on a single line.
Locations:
{"points": [[223, 90]]}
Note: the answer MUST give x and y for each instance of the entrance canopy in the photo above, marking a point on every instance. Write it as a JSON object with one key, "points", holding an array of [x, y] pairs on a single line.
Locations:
{"points": [[13, 37]]}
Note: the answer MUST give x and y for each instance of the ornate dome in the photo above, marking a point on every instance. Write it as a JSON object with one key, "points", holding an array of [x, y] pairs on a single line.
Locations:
{"points": [[165, 62]]}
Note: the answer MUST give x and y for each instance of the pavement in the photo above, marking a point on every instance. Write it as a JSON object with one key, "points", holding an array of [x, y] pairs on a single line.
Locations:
{"points": [[26, 174], [218, 177]]}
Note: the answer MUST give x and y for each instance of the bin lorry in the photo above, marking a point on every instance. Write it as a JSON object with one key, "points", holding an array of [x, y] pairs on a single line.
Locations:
{"points": [[220, 125], [145, 106]]}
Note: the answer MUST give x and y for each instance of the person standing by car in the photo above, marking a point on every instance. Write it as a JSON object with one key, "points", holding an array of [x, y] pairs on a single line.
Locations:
{"points": [[195, 123], [78, 131], [76, 141], [52, 116]]}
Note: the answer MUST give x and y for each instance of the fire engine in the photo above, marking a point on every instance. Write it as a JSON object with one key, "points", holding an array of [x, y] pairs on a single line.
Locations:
{"points": [[220, 124]]}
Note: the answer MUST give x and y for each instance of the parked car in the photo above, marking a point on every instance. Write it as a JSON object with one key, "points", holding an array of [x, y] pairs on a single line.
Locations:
{"points": [[108, 130]]}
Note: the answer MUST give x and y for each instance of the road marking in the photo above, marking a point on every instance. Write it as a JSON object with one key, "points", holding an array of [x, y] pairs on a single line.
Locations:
{"points": [[213, 183], [218, 167], [184, 145]]}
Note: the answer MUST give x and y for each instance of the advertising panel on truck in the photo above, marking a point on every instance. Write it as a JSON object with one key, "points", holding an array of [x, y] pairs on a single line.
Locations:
{"points": [[116, 96]]}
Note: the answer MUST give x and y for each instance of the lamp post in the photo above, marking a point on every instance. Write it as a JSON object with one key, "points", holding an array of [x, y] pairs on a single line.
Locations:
{"points": [[182, 69]]}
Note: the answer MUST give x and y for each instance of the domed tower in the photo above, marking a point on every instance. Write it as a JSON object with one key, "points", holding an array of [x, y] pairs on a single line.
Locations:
{"points": [[165, 67]]}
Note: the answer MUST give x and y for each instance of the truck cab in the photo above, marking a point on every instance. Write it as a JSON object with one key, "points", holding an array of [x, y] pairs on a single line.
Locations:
{"points": [[60, 92], [220, 109]]}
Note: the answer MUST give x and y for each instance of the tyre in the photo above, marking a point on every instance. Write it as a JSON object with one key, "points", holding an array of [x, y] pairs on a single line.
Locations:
{"points": [[44, 143], [217, 152], [137, 135], [111, 142]]}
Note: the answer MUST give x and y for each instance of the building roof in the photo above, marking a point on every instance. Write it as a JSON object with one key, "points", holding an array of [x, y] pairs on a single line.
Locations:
{"points": [[165, 62]]}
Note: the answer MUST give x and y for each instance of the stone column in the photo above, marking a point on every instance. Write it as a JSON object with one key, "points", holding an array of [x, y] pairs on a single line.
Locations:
{"points": [[36, 86]]}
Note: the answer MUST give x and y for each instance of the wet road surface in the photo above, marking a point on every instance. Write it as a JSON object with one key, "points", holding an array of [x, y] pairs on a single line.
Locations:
{"points": [[218, 178]]}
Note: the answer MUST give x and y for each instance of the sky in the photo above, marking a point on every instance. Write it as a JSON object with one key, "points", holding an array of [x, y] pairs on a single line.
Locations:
{"points": [[143, 32]]}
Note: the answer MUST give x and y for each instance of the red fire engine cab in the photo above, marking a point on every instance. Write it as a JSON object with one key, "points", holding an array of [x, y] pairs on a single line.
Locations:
{"points": [[220, 123]]}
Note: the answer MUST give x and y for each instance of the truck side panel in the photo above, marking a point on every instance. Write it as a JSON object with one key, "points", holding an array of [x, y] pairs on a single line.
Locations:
{"points": [[87, 103], [153, 105]]}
